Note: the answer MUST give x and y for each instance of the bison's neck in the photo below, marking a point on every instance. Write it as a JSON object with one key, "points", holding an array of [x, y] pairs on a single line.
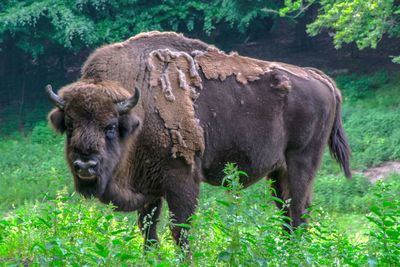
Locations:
{"points": [[124, 198], [136, 179], [128, 189]]}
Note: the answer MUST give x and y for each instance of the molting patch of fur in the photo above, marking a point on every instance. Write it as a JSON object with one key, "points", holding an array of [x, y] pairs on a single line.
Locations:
{"points": [[173, 79], [216, 64]]}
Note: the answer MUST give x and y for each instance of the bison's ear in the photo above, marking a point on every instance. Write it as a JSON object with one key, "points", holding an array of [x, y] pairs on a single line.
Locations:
{"points": [[56, 119], [128, 124]]}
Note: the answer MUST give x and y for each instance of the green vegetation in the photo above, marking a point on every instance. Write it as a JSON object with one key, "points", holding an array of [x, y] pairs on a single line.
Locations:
{"points": [[31, 168], [361, 21], [45, 26], [353, 223], [75, 25]]}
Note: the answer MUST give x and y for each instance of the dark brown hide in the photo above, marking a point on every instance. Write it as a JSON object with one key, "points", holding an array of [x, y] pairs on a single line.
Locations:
{"points": [[199, 109]]}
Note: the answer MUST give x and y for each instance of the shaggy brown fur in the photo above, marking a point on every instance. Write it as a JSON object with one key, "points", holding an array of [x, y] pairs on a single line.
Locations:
{"points": [[173, 76], [199, 109]]}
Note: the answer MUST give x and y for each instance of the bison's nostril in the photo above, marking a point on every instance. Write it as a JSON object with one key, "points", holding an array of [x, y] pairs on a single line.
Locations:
{"points": [[92, 164], [84, 166], [77, 165]]}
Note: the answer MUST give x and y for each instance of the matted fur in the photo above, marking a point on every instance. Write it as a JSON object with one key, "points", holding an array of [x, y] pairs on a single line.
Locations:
{"points": [[216, 64], [173, 76]]}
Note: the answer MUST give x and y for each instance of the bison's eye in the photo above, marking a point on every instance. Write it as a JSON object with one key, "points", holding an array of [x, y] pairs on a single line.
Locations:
{"points": [[69, 132], [111, 131], [69, 128]]}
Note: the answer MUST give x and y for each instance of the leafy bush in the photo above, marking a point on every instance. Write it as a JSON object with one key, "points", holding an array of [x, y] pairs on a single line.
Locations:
{"points": [[363, 22], [42, 134], [67, 232], [374, 135], [74, 25], [384, 242], [359, 87], [335, 193]]}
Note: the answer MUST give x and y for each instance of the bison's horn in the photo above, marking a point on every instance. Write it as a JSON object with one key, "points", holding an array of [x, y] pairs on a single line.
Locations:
{"points": [[56, 99], [126, 105]]}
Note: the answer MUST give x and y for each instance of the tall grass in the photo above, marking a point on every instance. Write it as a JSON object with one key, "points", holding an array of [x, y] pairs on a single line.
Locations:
{"points": [[232, 228]]}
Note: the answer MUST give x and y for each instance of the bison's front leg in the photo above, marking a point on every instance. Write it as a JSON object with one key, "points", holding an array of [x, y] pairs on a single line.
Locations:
{"points": [[147, 222], [181, 210], [181, 194]]}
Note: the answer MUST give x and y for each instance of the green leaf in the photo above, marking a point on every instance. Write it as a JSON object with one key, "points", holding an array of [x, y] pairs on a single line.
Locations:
{"points": [[183, 225], [102, 251]]}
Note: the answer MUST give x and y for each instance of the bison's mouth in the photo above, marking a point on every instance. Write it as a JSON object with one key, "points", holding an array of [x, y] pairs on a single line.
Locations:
{"points": [[87, 178], [90, 186]]}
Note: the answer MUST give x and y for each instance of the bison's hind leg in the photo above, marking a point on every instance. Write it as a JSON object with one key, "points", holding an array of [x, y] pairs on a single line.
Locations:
{"points": [[302, 166], [293, 184], [280, 190]]}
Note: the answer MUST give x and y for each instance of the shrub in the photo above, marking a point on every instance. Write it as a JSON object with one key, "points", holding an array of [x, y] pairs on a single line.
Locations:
{"points": [[359, 87], [337, 194], [384, 242], [374, 135]]}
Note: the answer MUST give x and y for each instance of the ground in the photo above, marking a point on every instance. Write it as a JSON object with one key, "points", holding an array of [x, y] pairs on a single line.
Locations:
{"points": [[379, 172]]}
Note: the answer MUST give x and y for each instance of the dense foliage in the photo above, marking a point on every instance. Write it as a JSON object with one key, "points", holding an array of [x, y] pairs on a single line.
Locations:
{"points": [[353, 223], [40, 26], [364, 22]]}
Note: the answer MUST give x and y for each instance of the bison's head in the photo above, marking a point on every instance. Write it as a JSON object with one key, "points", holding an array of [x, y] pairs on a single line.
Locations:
{"points": [[97, 118]]}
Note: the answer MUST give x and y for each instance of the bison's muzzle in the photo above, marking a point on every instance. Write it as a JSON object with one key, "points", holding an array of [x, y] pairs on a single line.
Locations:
{"points": [[89, 181], [86, 170]]}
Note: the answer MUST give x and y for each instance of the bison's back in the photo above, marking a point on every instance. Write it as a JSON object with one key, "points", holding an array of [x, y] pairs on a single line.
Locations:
{"points": [[125, 62]]}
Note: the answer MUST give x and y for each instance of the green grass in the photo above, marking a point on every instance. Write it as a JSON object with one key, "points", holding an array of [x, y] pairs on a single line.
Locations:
{"points": [[353, 223], [229, 229], [372, 121], [31, 168]]}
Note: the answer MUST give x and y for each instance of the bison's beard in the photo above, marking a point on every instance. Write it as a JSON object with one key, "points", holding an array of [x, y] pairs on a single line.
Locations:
{"points": [[91, 188]]}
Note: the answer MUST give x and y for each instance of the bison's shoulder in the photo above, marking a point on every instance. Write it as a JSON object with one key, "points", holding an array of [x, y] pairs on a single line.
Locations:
{"points": [[127, 60]]}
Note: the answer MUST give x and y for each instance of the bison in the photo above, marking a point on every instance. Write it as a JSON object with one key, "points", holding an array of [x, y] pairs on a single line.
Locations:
{"points": [[154, 116]]}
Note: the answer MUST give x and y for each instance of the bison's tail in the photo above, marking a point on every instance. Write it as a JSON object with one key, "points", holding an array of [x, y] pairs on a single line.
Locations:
{"points": [[338, 143]]}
